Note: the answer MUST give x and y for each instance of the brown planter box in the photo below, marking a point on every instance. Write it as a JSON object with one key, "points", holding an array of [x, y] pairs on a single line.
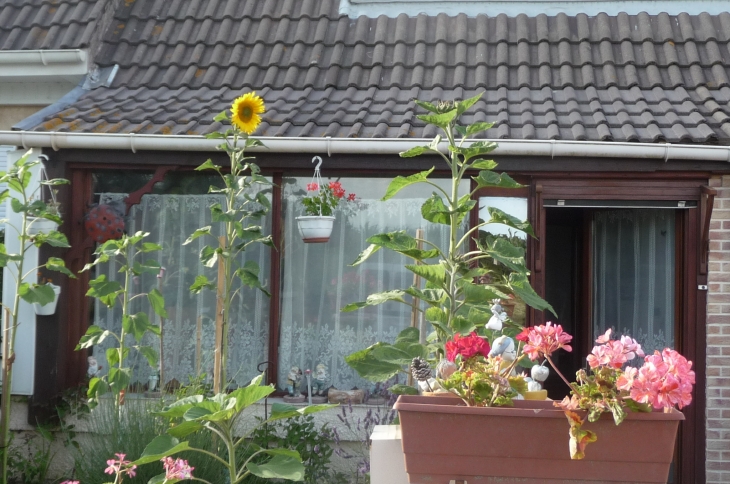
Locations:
{"points": [[443, 440]]}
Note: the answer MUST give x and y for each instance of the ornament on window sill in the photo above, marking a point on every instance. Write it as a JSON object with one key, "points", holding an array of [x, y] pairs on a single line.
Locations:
{"points": [[105, 222], [293, 380]]}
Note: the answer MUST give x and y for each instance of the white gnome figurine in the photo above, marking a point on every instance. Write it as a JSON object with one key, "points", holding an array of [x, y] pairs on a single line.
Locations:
{"points": [[504, 346], [319, 384], [292, 381], [498, 317], [539, 374], [94, 369]]}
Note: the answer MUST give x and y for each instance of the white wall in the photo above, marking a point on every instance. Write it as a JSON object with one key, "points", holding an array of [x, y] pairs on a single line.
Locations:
{"points": [[24, 366]]}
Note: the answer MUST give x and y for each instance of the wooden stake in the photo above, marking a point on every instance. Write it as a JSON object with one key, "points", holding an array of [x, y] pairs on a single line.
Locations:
{"points": [[416, 301], [217, 363]]}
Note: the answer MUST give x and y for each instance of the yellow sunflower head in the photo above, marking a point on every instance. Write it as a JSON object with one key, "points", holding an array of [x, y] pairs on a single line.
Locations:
{"points": [[245, 112]]}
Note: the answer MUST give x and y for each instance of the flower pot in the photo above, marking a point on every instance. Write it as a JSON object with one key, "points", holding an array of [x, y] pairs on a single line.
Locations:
{"points": [[50, 308], [40, 226], [315, 229], [444, 440]]}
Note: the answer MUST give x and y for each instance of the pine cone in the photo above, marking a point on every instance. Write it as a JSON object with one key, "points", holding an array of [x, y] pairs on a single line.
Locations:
{"points": [[420, 369]]}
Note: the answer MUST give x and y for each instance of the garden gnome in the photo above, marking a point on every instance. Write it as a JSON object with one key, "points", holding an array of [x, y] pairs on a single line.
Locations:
{"points": [[321, 377], [293, 380], [94, 369], [498, 317], [504, 346]]}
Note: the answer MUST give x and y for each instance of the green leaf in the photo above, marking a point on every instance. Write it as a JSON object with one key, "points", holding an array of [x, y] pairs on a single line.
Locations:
{"points": [[478, 128], [150, 354], [208, 165], [462, 106], [508, 254], [58, 265], [36, 293], [119, 378], [477, 148], [408, 336], [198, 233], [97, 388], [500, 217], [427, 106], [94, 336], [52, 238], [178, 408], [434, 210], [279, 467], [209, 256], [371, 368], [365, 254], [433, 297], [435, 273], [162, 446], [112, 356], [478, 293], [183, 429], [442, 120], [435, 315], [157, 301], [519, 284], [249, 275], [375, 299], [482, 164], [5, 257], [488, 178], [136, 324], [105, 291], [462, 325], [416, 151], [200, 283], [400, 182], [248, 395], [402, 243], [400, 389]]}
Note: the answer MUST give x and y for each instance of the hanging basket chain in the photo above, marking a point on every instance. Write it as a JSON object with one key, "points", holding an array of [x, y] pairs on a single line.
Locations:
{"points": [[317, 179]]}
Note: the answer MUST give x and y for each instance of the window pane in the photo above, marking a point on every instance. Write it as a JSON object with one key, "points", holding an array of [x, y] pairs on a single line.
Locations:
{"points": [[318, 281], [517, 207], [189, 331], [633, 264]]}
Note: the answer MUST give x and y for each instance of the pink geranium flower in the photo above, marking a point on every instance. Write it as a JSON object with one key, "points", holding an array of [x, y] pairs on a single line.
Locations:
{"points": [[312, 187], [71, 482], [177, 468], [543, 340], [665, 380], [614, 353], [120, 466]]}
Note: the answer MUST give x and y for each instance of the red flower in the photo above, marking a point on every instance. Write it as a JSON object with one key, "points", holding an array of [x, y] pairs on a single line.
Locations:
{"points": [[311, 187], [466, 346], [351, 197]]}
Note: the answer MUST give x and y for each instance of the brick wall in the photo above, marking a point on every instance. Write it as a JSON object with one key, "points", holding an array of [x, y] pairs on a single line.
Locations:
{"points": [[718, 337]]}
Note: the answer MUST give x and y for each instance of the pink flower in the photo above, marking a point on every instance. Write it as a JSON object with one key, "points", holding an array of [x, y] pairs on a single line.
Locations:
{"points": [[543, 340], [665, 380], [351, 197], [614, 353], [312, 187], [120, 466], [466, 346], [176, 468], [71, 482]]}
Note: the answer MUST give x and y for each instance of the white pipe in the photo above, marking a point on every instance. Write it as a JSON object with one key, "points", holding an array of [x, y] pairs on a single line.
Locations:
{"points": [[380, 146], [42, 57]]}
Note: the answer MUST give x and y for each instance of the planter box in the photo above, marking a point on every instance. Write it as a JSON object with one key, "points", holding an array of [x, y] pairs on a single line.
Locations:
{"points": [[443, 440]]}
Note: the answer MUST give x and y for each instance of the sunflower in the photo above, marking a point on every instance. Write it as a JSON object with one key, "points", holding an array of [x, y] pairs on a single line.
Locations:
{"points": [[245, 112]]}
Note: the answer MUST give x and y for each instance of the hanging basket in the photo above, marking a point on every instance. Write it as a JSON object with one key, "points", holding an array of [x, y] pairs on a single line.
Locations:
{"points": [[49, 308], [315, 229], [38, 225]]}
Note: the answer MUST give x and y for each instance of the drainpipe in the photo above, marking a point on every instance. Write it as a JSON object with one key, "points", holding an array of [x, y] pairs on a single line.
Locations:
{"points": [[380, 146]]}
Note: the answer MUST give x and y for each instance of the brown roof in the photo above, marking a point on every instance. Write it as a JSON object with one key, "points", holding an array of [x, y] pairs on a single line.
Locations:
{"points": [[648, 78]]}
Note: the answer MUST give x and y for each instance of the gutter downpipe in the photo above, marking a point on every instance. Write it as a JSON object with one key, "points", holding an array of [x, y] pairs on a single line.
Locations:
{"points": [[380, 146]]}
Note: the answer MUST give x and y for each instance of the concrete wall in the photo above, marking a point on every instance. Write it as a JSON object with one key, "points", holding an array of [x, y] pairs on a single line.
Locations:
{"points": [[718, 338]]}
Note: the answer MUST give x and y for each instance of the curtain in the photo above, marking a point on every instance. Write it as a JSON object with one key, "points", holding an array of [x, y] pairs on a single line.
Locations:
{"points": [[189, 331], [318, 280], [633, 290]]}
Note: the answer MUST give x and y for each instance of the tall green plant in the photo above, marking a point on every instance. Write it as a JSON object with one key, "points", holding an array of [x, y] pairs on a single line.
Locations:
{"points": [[244, 203], [221, 415], [456, 302], [127, 252], [26, 202]]}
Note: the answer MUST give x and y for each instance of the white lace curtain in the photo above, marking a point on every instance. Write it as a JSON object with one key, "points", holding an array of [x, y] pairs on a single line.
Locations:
{"points": [[189, 330], [318, 281], [634, 275]]}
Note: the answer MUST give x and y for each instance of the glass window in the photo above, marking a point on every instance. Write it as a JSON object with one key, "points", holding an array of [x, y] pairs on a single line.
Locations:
{"points": [[189, 331], [517, 207], [317, 279]]}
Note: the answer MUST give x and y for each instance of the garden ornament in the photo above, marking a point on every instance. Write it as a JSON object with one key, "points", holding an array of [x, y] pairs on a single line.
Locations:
{"points": [[321, 377], [105, 222], [539, 373], [504, 346], [94, 368], [445, 369], [293, 380], [498, 317]]}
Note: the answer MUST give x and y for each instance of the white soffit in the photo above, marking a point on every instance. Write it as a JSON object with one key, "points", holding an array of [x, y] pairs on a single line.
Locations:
{"points": [[512, 8], [34, 65]]}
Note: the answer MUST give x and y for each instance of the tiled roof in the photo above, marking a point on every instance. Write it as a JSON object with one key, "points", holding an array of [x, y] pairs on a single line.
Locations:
{"points": [[49, 24], [645, 78]]}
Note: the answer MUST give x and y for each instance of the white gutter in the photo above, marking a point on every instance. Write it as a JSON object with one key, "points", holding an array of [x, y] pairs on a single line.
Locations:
{"points": [[42, 57], [371, 146]]}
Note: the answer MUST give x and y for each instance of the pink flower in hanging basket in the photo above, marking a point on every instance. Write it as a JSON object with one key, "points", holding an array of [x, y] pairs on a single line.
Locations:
{"points": [[312, 187]]}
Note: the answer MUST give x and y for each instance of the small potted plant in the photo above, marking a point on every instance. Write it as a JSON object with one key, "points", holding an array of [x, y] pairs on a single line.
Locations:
{"points": [[50, 307], [319, 206]]}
